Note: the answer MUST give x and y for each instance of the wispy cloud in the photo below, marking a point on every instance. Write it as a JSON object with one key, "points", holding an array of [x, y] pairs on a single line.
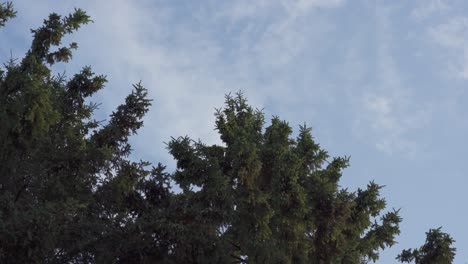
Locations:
{"points": [[387, 113], [426, 8], [453, 36], [453, 33], [269, 49], [242, 9], [190, 60]]}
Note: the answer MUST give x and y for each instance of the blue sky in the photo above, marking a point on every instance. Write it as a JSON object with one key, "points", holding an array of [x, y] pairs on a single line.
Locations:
{"points": [[382, 81]]}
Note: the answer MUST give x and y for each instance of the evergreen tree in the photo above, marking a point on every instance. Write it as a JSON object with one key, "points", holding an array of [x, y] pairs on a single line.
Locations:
{"points": [[265, 197], [70, 194], [436, 250], [6, 12]]}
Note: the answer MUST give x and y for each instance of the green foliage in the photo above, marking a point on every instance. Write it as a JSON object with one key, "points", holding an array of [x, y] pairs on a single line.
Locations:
{"points": [[436, 250], [266, 190], [70, 194], [51, 34], [67, 192], [6, 12]]}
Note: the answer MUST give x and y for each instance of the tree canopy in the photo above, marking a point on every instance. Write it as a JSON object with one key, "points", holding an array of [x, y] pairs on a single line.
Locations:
{"points": [[69, 193], [437, 249]]}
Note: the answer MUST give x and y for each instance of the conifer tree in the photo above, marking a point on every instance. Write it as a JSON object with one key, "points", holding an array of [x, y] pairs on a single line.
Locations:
{"points": [[436, 250], [70, 194], [277, 199]]}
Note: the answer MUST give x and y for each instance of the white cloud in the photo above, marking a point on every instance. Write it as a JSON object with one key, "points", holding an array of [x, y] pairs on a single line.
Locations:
{"points": [[453, 36], [246, 9], [380, 105], [393, 123], [387, 114], [303, 6], [242, 9], [426, 8], [187, 67], [274, 32]]}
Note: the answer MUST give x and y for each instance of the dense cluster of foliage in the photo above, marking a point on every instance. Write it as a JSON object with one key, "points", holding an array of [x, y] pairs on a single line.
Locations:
{"points": [[70, 194], [437, 249]]}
